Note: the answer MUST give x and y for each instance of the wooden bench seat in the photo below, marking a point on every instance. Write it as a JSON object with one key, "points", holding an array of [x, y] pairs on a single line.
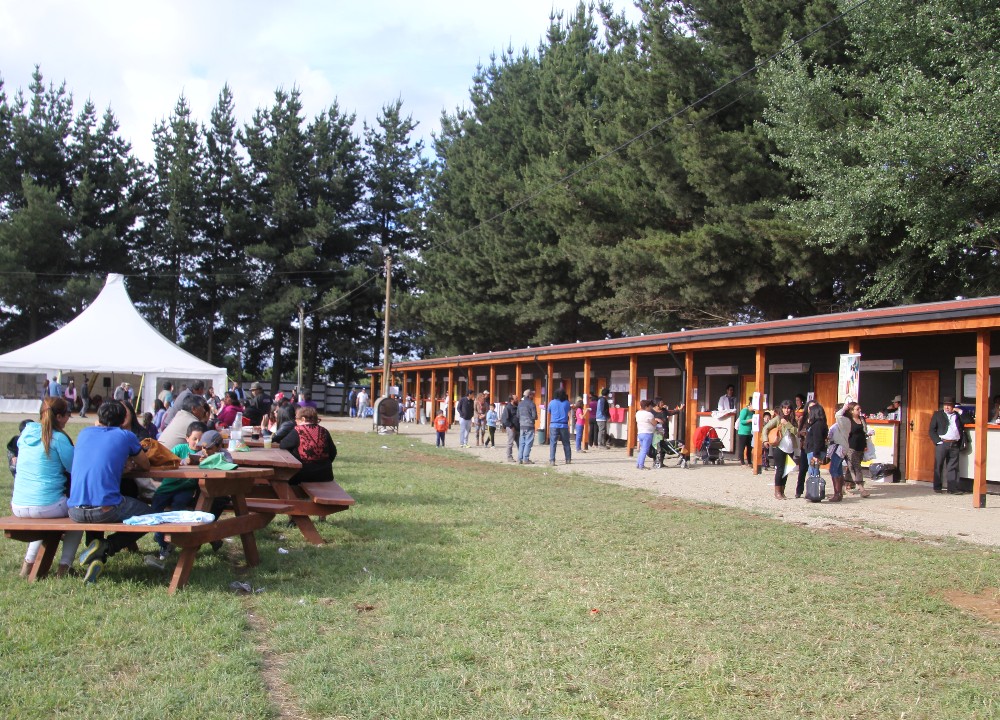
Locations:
{"points": [[302, 503], [187, 536], [328, 493]]}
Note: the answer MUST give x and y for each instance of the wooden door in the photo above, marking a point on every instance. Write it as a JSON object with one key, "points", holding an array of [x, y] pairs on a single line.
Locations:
{"points": [[749, 387], [825, 389], [920, 405]]}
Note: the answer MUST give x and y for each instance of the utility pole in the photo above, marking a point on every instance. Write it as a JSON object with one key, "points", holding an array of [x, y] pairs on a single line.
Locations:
{"points": [[386, 364], [302, 334]]}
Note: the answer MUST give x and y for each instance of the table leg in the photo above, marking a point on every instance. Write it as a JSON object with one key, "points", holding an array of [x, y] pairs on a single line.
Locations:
{"points": [[249, 539], [183, 569], [304, 523], [43, 561]]}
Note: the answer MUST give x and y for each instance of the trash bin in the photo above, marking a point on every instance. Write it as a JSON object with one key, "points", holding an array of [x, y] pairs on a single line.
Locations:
{"points": [[540, 436]]}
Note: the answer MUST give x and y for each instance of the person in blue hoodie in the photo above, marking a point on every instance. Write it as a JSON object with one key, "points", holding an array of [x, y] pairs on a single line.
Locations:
{"points": [[44, 460], [559, 426]]}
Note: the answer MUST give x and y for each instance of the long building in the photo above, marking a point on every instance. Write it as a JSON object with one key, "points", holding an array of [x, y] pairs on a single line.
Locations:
{"points": [[918, 352]]}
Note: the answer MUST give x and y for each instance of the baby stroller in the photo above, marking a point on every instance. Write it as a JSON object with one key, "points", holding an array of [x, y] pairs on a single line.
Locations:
{"points": [[664, 450], [708, 444]]}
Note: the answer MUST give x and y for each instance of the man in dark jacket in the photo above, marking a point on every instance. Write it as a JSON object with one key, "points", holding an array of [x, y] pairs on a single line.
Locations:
{"points": [[258, 405], [947, 433], [508, 421], [466, 409], [527, 416]]}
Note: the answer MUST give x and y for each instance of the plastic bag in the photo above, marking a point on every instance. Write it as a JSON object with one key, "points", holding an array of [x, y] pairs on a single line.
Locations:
{"points": [[787, 444]]}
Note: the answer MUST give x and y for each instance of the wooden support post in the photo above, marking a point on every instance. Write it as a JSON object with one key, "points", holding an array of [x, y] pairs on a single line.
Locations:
{"points": [[470, 384], [449, 405], [982, 417], [586, 401], [493, 385], [631, 437], [854, 346], [690, 402], [416, 397], [434, 397], [759, 370], [518, 390], [550, 395]]}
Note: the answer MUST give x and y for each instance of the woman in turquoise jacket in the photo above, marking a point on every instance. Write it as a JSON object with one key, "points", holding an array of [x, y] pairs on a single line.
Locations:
{"points": [[44, 459]]}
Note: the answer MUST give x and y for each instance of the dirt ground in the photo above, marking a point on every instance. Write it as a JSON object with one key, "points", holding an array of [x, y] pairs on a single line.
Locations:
{"points": [[899, 510]]}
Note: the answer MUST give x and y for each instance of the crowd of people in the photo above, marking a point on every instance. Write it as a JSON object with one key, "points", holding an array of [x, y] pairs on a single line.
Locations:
{"points": [[92, 480]]}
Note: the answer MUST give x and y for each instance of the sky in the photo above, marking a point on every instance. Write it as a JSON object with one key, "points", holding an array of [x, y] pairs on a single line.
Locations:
{"points": [[138, 57]]}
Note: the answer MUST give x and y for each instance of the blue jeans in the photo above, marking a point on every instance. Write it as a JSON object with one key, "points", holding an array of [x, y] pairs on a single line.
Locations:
{"points": [[836, 465], [645, 442], [179, 500], [129, 507], [557, 434], [525, 443], [579, 437]]}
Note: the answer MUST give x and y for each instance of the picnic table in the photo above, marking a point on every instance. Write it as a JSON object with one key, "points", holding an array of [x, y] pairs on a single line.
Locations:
{"points": [[300, 502], [236, 484]]}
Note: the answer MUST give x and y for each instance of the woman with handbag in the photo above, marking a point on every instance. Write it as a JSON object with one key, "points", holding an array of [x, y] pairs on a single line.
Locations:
{"points": [[852, 430], [781, 434], [814, 445]]}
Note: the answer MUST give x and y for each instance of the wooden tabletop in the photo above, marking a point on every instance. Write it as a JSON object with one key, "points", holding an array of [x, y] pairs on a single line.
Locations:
{"points": [[195, 472], [270, 458]]}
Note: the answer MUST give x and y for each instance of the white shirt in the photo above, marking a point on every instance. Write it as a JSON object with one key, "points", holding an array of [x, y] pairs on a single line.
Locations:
{"points": [[953, 433], [645, 423], [727, 404]]}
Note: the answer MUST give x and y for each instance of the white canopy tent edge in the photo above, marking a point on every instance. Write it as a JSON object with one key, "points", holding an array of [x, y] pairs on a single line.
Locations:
{"points": [[110, 336]]}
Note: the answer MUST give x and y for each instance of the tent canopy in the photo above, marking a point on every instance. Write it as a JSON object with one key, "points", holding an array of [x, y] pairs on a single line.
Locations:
{"points": [[110, 336]]}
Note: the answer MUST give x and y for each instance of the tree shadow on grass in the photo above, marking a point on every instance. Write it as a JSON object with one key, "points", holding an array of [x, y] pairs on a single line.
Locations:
{"points": [[404, 498]]}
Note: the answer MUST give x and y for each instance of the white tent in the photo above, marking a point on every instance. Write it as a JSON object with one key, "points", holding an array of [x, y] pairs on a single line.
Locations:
{"points": [[110, 336]]}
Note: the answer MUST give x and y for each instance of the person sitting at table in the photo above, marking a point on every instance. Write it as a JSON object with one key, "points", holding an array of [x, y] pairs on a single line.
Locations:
{"points": [[103, 453], [45, 457], [286, 422], [230, 407], [193, 408], [312, 445], [178, 493]]}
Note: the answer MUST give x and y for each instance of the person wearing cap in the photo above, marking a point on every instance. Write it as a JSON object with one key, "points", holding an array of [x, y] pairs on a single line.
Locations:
{"points": [[947, 434], [257, 405], [892, 411], [527, 416]]}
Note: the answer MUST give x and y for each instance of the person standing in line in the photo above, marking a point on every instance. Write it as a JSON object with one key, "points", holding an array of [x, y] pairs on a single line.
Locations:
{"points": [[70, 395], [603, 416], [479, 419], [527, 416], [580, 418], [466, 409], [947, 434], [352, 399], [784, 422], [802, 420], [559, 426], [55, 388], [509, 422], [852, 427], [645, 425], [591, 420], [744, 434]]}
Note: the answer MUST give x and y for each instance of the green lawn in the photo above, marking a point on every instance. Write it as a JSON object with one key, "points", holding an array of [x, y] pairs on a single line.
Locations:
{"points": [[456, 589]]}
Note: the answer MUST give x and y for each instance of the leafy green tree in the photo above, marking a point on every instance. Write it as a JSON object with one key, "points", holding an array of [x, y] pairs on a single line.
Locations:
{"points": [[895, 150]]}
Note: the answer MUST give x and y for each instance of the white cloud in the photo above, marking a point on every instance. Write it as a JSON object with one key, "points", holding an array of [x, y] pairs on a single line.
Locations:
{"points": [[138, 58]]}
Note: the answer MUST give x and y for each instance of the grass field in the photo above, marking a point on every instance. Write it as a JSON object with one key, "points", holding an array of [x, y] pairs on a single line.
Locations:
{"points": [[455, 589]]}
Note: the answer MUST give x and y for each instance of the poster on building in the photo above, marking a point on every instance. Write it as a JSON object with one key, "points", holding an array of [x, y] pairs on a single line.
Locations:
{"points": [[849, 382]]}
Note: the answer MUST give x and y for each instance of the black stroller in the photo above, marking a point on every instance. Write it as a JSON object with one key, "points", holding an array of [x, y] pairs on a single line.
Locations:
{"points": [[665, 450], [710, 447]]}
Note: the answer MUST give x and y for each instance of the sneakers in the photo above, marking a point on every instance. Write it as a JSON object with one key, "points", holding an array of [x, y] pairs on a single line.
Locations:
{"points": [[165, 552], [94, 571], [155, 561], [95, 551]]}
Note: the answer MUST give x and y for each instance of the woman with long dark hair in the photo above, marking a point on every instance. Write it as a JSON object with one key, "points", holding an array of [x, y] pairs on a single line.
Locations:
{"points": [[44, 460], [852, 430], [815, 441], [785, 426]]}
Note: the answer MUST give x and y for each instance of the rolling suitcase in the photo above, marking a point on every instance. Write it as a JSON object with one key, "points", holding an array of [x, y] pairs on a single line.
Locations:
{"points": [[815, 484]]}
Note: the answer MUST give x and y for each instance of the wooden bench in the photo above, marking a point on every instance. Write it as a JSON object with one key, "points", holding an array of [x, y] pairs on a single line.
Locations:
{"points": [[300, 502], [188, 537], [304, 502]]}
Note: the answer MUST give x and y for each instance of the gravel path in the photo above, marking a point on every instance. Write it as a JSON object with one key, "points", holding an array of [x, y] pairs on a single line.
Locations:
{"points": [[893, 510]]}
